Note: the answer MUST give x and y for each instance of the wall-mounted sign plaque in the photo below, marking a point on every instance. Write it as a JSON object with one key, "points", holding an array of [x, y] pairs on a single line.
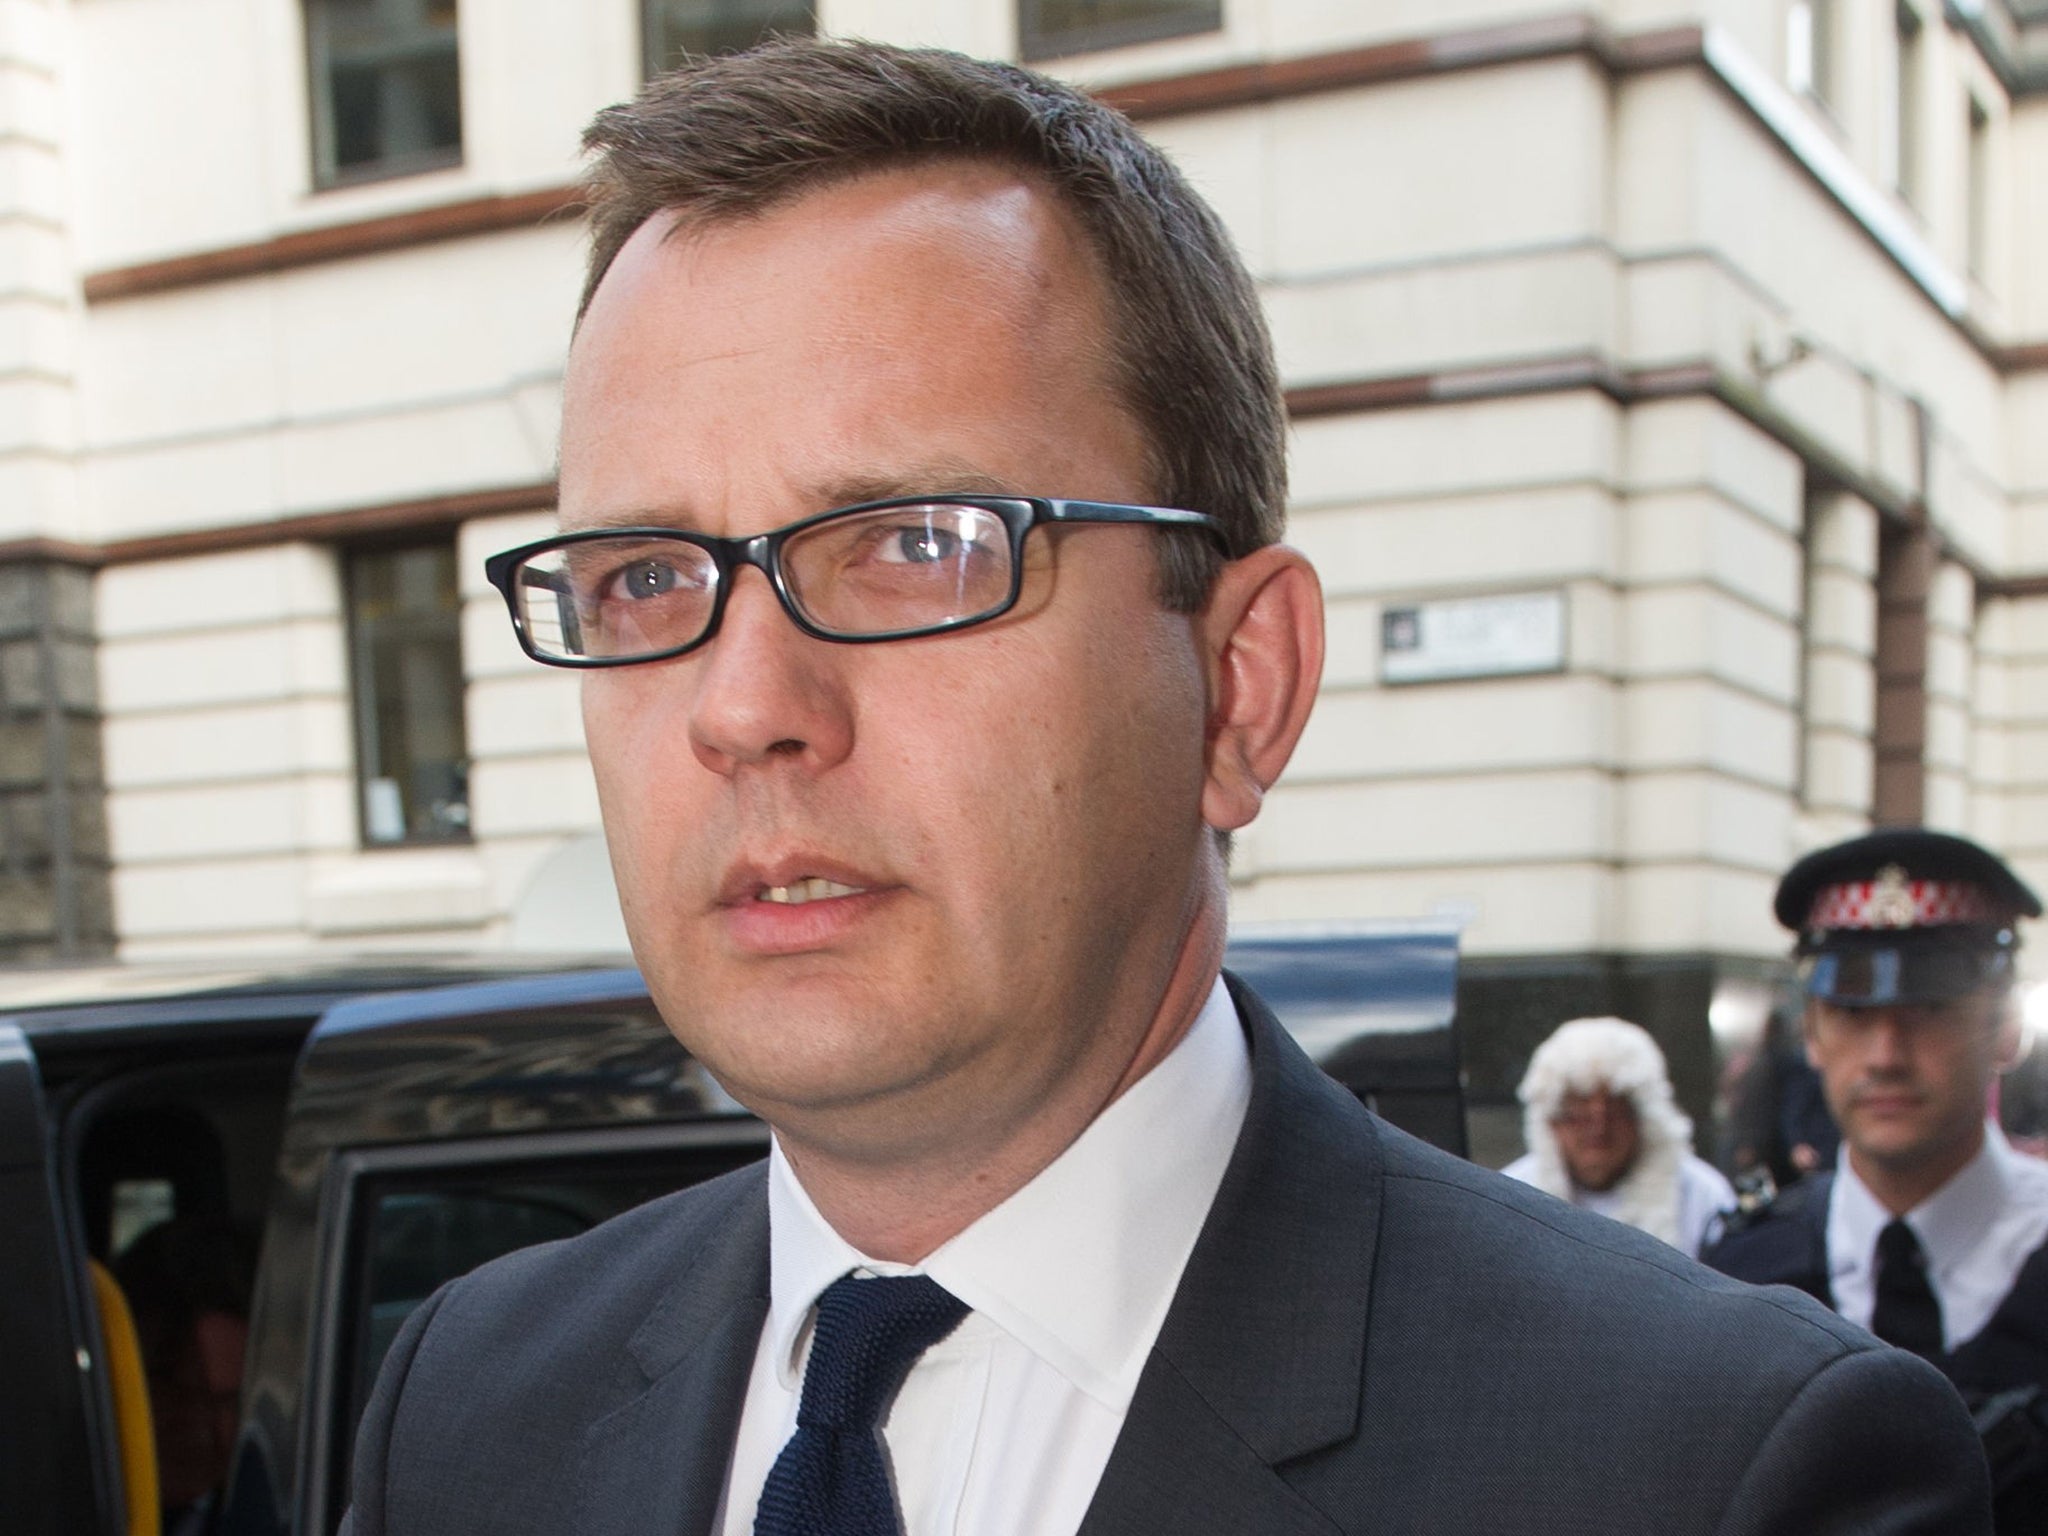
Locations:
{"points": [[1472, 637]]}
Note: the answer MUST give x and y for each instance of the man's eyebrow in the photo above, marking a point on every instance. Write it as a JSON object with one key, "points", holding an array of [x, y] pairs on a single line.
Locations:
{"points": [[630, 517], [934, 478]]}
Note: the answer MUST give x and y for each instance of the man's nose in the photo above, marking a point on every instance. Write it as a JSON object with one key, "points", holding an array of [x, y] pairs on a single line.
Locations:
{"points": [[766, 691], [1885, 1038]]}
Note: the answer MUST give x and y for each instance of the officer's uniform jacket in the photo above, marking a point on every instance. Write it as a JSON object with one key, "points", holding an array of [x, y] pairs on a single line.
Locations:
{"points": [[1785, 1242]]}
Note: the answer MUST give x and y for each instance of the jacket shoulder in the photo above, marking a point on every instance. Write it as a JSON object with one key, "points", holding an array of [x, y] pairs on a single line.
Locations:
{"points": [[1505, 1317]]}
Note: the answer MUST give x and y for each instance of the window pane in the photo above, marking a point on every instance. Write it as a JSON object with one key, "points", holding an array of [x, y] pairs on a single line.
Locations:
{"points": [[1810, 48], [1906, 158], [673, 28], [412, 1232], [386, 89], [1046, 28], [1977, 191], [412, 752]]}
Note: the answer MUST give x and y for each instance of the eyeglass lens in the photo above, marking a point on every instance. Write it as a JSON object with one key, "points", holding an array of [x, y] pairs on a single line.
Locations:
{"points": [[881, 571]]}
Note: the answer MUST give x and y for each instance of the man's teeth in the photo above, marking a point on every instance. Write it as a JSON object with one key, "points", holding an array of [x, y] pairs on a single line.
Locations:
{"points": [[816, 888]]}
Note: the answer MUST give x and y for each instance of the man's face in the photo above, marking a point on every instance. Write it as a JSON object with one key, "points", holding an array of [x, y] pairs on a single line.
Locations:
{"points": [[999, 830], [1598, 1137], [1908, 1085]]}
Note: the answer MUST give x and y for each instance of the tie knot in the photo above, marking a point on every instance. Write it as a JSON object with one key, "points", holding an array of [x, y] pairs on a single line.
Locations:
{"points": [[868, 1334], [1899, 1244]]}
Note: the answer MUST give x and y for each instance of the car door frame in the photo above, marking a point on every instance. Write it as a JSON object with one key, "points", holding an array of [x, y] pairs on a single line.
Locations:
{"points": [[56, 1445]]}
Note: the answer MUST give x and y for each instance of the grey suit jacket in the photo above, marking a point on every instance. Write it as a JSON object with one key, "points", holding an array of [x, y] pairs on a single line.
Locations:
{"points": [[1370, 1336]]}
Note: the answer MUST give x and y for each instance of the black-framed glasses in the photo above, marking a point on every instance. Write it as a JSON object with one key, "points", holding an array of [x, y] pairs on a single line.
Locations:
{"points": [[880, 570]]}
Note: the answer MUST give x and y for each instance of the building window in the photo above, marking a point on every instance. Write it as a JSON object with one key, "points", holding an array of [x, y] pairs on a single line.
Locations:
{"points": [[1977, 190], [1907, 119], [1049, 28], [405, 668], [670, 30], [1810, 48], [386, 92]]}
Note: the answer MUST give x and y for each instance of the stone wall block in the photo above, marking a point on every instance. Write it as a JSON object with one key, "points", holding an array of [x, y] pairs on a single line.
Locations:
{"points": [[21, 675], [24, 753], [1902, 633], [21, 601], [27, 911], [89, 838], [77, 675], [84, 753], [70, 600], [1902, 718]]}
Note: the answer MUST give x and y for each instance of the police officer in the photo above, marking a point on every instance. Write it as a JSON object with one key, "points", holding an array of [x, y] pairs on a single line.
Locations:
{"points": [[1931, 1230]]}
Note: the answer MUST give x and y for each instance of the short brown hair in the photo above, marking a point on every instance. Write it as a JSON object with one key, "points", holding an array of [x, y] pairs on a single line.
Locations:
{"points": [[732, 136]]}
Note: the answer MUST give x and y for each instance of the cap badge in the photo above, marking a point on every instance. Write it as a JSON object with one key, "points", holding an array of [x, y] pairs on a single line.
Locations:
{"points": [[1891, 902]]}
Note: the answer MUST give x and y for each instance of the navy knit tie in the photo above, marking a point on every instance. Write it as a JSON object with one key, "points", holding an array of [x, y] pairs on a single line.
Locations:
{"points": [[1907, 1313], [831, 1479]]}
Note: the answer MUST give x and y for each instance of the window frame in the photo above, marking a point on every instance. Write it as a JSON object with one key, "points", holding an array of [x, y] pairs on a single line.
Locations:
{"points": [[1034, 44], [1819, 82], [328, 174], [1909, 107], [358, 700], [651, 64], [1978, 186]]}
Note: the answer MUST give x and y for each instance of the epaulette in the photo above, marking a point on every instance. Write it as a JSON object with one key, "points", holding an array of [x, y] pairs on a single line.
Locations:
{"points": [[1757, 1198], [1761, 1204]]}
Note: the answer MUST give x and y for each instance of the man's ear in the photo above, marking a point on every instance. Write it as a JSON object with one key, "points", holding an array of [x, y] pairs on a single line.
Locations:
{"points": [[2010, 1044], [1806, 1032], [1262, 630]]}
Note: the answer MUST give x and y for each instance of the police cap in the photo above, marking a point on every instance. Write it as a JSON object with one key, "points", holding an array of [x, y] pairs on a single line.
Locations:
{"points": [[1902, 915]]}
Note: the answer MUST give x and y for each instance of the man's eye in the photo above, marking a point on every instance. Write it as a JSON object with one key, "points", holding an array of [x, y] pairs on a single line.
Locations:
{"points": [[645, 578], [920, 544]]}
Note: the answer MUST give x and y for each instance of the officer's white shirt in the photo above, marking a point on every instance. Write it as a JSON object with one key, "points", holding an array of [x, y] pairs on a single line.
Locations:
{"points": [[1977, 1230], [1003, 1428]]}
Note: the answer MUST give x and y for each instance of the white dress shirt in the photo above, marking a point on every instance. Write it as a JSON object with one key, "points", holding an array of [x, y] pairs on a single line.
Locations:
{"points": [[1003, 1427], [1977, 1230]]}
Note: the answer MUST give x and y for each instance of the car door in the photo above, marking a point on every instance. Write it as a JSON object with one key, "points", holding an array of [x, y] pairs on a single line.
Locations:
{"points": [[52, 1479], [428, 1132]]}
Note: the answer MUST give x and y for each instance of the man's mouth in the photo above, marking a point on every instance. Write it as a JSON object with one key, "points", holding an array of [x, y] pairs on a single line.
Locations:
{"points": [[814, 888]]}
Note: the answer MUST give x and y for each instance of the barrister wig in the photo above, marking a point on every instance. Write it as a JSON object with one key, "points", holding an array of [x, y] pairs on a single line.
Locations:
{"points": [[1583, 1057]]}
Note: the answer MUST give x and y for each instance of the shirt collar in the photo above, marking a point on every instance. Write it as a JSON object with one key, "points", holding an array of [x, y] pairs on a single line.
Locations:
{"points": [[1080, 1265], [1948, 1222], [1953, 1220]]}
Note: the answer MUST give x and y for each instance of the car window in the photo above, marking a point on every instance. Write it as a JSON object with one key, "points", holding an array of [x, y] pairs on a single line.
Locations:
{"points": [[412, 1230]]}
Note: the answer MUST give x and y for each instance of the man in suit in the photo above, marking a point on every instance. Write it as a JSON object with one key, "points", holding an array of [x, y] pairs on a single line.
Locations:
{"points": [[917, 771], [1931, 1230]]}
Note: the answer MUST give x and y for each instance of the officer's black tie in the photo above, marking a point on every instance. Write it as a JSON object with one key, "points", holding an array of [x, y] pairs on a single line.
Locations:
{"points": [[831, 1478], [1907, 1313]]}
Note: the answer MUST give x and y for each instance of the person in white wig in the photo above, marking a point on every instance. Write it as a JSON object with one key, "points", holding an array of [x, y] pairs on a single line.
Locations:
{"points": [[1605, 1134]]}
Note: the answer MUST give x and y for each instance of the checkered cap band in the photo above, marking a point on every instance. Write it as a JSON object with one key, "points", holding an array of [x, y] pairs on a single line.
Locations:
{"points": [[1889, 903]]}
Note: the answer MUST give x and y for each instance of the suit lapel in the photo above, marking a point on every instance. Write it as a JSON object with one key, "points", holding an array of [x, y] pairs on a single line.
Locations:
{"points": [[655, 1466], [1262, 1357]]}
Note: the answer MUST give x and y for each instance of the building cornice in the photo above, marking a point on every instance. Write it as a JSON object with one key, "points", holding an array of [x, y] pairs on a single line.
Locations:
{"points": [[1562, 373], [1702, 379], [37, 551], [1258, 83], [383, 520], [335, 242]]}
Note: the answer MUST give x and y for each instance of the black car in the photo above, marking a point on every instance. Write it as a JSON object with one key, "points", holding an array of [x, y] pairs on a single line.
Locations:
{"points": [[375, 1128]]}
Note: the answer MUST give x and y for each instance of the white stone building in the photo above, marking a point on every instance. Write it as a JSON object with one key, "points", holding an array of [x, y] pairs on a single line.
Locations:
{"points": [[1670, 387]]}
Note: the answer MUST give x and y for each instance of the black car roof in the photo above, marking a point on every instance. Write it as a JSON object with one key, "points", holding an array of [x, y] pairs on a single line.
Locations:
{"points": [[56, 1004]]}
